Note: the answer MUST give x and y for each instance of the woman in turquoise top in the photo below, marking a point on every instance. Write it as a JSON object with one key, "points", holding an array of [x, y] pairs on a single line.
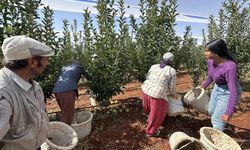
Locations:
{"points": [[223, 71]]}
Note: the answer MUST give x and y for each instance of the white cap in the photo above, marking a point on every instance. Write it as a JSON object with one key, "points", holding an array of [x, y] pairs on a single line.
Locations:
{"points": [[22, 47], [168, 56]]}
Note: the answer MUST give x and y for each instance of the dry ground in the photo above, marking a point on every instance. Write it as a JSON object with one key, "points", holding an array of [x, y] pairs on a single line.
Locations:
{"points": [[122, 126]]}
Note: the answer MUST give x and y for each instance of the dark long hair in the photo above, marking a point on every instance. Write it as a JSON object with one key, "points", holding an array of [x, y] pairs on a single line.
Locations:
{"points": [[219, 47]]}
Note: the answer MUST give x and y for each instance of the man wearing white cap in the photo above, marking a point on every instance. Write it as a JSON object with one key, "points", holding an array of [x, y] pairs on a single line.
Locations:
{"points": [[23, 117], [160, 81]]}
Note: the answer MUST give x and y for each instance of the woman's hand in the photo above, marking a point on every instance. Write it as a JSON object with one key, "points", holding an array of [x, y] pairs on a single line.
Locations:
{"points": [[225, 118], [175, 96], [202, 82]]}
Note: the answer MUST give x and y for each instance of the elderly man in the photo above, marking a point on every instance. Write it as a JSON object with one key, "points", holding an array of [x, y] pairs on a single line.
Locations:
{"points": [[23, 118]]}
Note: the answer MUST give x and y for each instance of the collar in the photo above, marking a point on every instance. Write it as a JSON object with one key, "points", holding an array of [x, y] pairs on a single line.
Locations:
{"points": [[17, 79]]}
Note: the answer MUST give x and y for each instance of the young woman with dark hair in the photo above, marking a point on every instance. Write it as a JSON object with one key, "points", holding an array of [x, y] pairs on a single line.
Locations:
{"points": [[223, 71]]}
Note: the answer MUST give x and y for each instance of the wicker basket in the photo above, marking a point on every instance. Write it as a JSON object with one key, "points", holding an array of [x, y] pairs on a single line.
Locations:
{"points": [[181, 141], [214, 139], [198, 99], [82, 123], [61, 137]]}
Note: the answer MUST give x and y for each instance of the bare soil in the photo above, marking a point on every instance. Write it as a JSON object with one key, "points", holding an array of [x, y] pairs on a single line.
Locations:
{"points": [[120, 126]]}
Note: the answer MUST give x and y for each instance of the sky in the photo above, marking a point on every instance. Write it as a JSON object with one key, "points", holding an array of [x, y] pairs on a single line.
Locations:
{"points": [[194, 13]]}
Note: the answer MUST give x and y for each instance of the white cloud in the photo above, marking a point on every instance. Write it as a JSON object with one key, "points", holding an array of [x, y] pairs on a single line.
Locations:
{"points": [[195, 18], [79, 6], [69, 5]]}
